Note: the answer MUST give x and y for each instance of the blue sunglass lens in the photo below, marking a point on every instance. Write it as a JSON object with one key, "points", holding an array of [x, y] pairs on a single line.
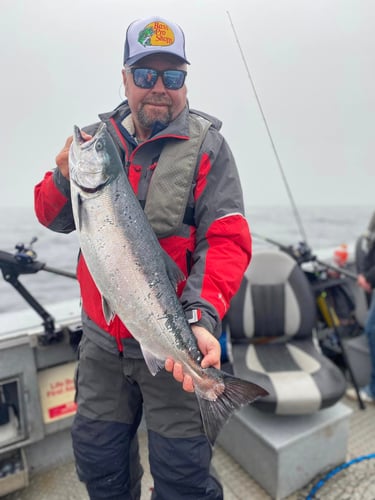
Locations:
{"points": [[173, 79], [146, 78]]}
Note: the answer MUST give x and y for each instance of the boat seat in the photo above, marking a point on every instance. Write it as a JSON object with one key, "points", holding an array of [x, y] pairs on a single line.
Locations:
{"points": [[270, 328]]}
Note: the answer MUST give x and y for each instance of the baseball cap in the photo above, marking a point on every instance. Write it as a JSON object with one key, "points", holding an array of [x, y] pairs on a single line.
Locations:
{"points": [[153, 35]]}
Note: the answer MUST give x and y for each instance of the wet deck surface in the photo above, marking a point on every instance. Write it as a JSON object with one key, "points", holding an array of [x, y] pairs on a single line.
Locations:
{"points": [[356, 481]]}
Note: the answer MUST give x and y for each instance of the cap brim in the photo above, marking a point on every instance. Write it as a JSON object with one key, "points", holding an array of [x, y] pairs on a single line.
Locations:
{"points": [[138, 57]]}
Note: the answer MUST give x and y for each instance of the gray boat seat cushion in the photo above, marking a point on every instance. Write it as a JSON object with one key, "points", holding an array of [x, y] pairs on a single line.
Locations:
{"points": [[270, 325]]}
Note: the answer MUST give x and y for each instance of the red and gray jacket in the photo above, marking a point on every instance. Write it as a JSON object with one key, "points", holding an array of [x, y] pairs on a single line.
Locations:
{"points": [[211, 242]]}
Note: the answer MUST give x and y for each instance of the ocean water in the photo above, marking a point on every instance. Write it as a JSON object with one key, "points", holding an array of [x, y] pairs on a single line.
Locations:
{"points": [[324, 227]]}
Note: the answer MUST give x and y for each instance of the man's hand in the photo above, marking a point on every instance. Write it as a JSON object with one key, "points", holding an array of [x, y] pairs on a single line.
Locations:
{"points": [[209, 347], [363, 283], [62, 159]]}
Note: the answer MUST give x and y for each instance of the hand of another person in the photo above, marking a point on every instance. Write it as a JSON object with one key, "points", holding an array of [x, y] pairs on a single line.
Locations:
{"points": [[209, 347], [62, 159], [363, 283]]}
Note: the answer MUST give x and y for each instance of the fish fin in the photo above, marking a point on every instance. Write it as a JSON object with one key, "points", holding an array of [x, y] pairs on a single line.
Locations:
{"points": [[107, 310], [154, 364], [237, 393], [175, 274]]}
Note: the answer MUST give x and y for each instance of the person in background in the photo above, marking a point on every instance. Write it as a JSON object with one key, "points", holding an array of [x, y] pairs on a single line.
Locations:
{"points": [[155, 130], [365, 257]]}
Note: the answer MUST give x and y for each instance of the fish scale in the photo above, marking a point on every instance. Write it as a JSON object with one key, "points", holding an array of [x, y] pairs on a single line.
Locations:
{"points": [[138, 280]]}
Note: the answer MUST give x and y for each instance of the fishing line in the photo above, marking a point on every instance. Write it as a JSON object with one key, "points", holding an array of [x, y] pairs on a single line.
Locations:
{"points": [[335, 471], [294, 207]]}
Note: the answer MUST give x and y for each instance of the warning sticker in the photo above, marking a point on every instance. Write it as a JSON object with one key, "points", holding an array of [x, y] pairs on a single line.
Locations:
{"points": [[56, 386]]}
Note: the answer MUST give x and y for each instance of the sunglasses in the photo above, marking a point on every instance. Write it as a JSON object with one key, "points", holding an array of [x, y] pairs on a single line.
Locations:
{"points": [[146, 78]]}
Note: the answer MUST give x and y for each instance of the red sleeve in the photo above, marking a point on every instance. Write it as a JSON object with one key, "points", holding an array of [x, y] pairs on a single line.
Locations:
{"points": [[227, 258], [48, 200]]}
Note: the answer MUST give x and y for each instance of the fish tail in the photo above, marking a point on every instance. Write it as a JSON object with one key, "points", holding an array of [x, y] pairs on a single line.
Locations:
{"points": [[237, 393]]}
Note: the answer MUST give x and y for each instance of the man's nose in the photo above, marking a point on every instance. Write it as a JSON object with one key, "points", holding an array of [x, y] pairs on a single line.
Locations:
{"points": [[159, 85]]}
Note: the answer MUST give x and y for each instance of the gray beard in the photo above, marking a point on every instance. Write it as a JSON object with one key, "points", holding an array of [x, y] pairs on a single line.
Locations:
{"points": [[148, 122]]}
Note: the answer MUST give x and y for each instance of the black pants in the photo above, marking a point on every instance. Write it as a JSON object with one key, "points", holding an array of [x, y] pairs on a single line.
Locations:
{"points": [[111, 393]]}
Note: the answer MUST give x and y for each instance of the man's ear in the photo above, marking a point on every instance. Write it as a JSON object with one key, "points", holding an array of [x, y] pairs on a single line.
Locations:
{"points": [[124, 80]]}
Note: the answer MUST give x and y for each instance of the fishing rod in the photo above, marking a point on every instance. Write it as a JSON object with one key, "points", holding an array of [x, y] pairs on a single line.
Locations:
{"points": [[289, 192], [303, 254], [59, 272], [24, 261]]}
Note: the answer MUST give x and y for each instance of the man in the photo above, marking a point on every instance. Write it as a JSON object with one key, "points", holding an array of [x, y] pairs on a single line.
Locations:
{"points": [[209, 240], [365, 257]]}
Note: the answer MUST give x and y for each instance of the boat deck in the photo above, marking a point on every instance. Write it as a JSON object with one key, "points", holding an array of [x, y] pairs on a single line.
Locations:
{"points": [[357, 481]]}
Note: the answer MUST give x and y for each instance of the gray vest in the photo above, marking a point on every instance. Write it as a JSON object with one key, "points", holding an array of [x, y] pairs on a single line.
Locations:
{"points": [[171, 181]]}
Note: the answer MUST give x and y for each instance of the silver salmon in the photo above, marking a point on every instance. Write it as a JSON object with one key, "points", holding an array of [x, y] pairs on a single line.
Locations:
{"points": [[137, 279]]}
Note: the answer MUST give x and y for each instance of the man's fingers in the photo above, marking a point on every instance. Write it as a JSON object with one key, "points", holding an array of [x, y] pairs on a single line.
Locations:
{"points": [[210, 360], [178, 374], [188, 384], [62, 159], [85, 136], [169, 364], [68, 143]]}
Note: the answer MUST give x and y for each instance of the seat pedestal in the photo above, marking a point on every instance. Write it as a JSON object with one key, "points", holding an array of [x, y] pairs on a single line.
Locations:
{"points": [[284, 453]]}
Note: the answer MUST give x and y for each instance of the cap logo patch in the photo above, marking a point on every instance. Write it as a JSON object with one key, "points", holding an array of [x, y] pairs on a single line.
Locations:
{"points": [[156, 34]]}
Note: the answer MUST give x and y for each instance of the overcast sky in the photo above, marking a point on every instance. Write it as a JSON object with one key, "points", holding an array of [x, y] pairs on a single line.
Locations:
{"points": [[312, 63]]}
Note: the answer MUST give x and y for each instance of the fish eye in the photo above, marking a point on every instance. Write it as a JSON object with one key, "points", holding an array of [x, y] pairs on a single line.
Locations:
{"points": [[99, 146]]}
